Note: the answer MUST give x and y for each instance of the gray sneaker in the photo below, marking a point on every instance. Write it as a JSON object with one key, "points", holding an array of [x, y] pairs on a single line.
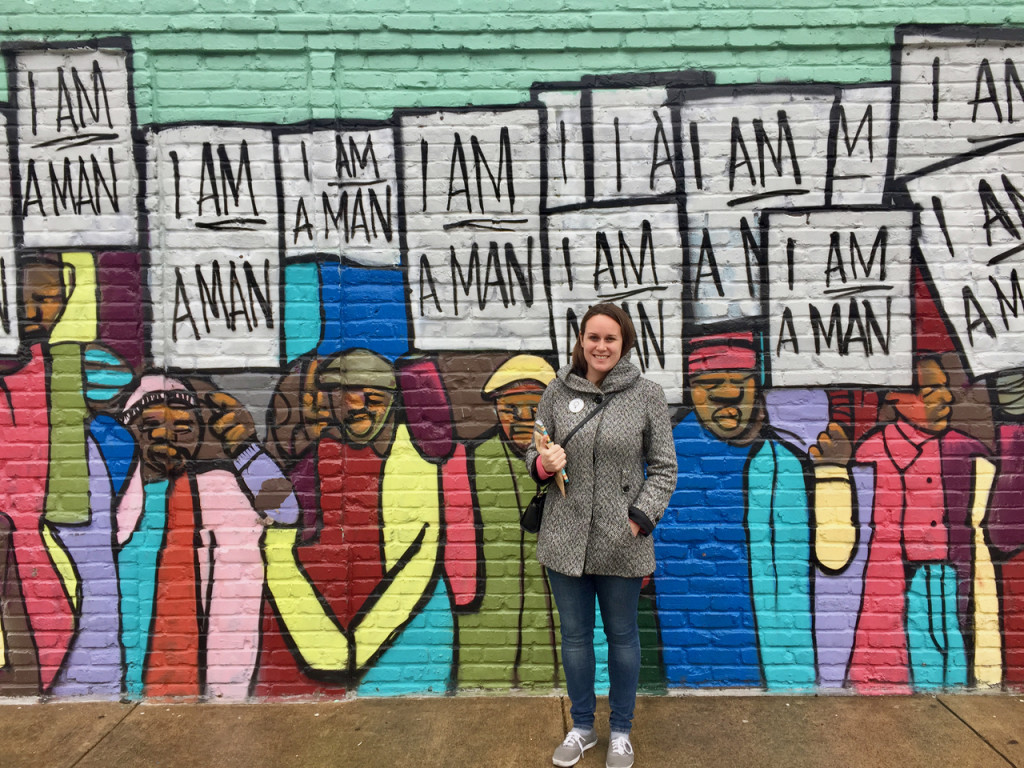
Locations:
{"points": [[571, 750], [620, 753]]}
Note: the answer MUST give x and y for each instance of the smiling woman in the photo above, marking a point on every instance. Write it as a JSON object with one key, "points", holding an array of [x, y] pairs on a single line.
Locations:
{"points": [[595, 539]]}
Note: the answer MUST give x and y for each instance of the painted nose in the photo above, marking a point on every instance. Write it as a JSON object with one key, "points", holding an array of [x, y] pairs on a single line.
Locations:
{"points": [[726, 391]]}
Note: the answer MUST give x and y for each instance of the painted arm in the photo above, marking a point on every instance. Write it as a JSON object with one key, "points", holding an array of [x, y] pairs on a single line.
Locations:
{"points": [[271, 492], [67, 499], [318, 638], [835, 530], [835, 535], [988, 669], [411, 535], [460, 545]]}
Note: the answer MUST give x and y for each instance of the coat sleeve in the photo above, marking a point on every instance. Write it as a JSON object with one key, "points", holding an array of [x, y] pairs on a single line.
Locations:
{"points": [[660, 458], [545, 414]]}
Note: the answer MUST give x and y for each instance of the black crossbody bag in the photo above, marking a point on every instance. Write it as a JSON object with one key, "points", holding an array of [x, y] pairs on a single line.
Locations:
{"points": [[529, 518]]}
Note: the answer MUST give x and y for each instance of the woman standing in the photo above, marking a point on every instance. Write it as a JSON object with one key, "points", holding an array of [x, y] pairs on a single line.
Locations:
{"points": [[595, 540]]}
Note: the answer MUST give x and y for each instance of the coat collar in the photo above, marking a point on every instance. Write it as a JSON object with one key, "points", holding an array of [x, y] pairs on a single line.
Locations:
{"points": [[620, 377], [905, 442]]}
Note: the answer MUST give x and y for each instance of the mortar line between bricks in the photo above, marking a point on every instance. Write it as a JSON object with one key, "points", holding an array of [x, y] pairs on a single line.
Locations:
{"points": [[977, 733], [135, 705]]}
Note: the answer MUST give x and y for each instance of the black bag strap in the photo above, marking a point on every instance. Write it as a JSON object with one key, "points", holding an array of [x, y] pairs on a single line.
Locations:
{"points": [[605, 399]]}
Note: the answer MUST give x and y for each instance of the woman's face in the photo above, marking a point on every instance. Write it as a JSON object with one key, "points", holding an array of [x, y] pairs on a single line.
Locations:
{"points": [[602, 346]]}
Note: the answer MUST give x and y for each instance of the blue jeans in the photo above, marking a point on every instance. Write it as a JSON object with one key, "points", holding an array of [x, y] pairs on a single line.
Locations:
{"points": [[619, 598]]}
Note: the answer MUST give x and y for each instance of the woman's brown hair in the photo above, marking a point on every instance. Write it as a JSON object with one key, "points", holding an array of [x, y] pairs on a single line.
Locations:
{"points": [[616, 313]]}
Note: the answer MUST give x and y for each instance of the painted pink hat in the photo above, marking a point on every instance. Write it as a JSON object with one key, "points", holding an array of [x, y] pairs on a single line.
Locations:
{"points": [[722, 352], [157, 388]]}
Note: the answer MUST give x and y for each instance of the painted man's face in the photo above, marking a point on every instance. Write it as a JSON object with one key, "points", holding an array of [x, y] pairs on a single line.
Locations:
{"points": [[725, 402], [315, 409], [362, 411], [42, 294], [168, 438], [517, 411], [929, 406]]}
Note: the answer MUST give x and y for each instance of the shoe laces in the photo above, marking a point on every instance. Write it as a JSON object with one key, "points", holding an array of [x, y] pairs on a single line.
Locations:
{"points": [[620, 746], [573, 739]]}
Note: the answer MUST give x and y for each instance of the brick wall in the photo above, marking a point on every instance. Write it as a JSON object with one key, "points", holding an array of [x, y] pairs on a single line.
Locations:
{"points": [[280, 289]]}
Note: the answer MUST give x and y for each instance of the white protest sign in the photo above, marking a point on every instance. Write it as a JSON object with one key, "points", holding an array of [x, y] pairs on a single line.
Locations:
{"points": [[633, 154], [839, 298], [861, 145], [725, 265], [78, 182], [972, 239], [565, 167], [745, 150], [339, 194], [958, 89], [471, 189], [632, 256], [9, 337], [215, 269]]}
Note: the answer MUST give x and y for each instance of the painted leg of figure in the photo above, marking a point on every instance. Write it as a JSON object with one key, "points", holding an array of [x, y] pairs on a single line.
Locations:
{"points": [[779, 539], [937, 657]]}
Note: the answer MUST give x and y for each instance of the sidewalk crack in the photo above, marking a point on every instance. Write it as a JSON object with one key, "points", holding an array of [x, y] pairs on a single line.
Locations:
{"points": [[104, 737], [977, 733]]}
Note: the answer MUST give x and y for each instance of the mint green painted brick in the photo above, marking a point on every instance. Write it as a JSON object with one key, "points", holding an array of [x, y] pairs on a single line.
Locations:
{"points": [[197, 79], [183, 98], [455, 61], [619, 20], [301, 22], [415, 80], [321, 79], [220, 7], [411, 22], [773, 18], [249, 23], [273, 6], [280, 41], [322, 59], [355, 22], [378, 6], [432, 6], [584, 39], [250, 80], [831, 17], [367, 41], [184, 63]]}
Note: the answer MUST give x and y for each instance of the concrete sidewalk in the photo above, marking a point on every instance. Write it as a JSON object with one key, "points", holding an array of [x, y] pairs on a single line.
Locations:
{"points": [[966, 731]]}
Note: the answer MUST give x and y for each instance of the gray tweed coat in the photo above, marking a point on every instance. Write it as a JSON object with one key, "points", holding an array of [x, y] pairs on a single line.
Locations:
{"points": [[587, 531]]}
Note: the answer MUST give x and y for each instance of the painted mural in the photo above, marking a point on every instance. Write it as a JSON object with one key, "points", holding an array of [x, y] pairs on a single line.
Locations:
{"points": [[266, 390]]}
